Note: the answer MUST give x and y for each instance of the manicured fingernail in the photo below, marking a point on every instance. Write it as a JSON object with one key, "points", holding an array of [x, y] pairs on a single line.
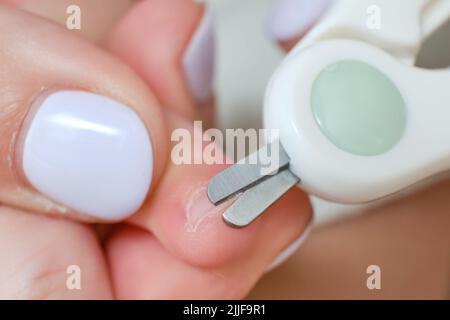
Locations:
{"points": [[291, 249], [288, 19], [89, 153], [198, 60]]}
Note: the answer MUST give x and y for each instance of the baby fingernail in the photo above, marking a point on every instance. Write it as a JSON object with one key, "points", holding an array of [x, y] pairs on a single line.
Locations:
{"points": [[288, 19], [199, 208], [198, 60], [89, 153]]}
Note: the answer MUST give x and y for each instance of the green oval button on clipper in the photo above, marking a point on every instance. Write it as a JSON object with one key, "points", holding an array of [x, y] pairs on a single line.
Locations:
{"points": [[358, 108]]}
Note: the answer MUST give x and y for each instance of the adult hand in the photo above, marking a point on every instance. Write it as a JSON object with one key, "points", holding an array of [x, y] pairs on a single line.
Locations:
{"points": [[87, 138]]}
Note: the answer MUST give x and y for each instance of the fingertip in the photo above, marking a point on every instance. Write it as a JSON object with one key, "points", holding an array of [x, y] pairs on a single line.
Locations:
{"points": [[189, 225], [170, 43], [286, 221], [162, 272], [156, 274], [125, 254]]}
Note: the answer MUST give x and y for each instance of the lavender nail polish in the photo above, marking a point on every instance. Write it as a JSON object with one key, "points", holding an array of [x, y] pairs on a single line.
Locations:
{"points": [[198, 60], [290, 18]]}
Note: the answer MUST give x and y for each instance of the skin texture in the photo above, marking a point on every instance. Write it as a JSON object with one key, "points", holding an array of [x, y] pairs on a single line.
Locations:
{"points": [[98, 16], [35, 254], [176, 235], [170, 248]]}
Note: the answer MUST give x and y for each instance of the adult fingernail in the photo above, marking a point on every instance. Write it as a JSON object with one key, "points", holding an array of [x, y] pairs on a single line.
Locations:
{"points": [[89, 153], [291, 249], [288, 19], [198, 60]]}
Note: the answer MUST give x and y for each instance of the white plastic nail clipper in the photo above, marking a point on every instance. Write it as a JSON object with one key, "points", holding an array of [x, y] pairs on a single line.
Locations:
{"points": [[357, 120]]}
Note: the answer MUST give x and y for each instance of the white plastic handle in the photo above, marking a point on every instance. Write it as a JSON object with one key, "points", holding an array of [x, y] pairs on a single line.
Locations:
{"points": [[402, 27], [337, 175]]}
